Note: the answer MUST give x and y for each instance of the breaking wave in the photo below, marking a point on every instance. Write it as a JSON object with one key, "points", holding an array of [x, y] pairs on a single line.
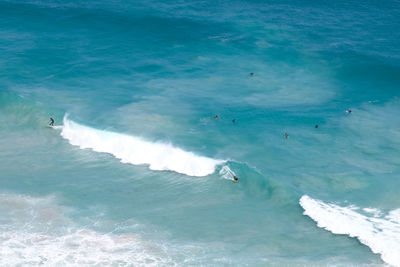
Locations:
{"points": [[380, 233], [134, 150]]}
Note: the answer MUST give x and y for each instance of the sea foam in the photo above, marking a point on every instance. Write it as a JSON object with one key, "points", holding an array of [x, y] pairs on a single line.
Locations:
{"points": [[380, 234], [134, 150], [35, 231]]}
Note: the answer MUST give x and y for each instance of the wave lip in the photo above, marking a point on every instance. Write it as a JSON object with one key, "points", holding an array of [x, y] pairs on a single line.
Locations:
{"points": [[380, 234], [134, 150]]}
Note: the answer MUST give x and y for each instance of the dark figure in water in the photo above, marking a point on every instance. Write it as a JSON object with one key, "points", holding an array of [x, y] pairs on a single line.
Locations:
{"points": [[348, 111], [51, 122], [251, 73], [234, 120], [286, 135], [316, 126], [235, 179], [216, 117]]}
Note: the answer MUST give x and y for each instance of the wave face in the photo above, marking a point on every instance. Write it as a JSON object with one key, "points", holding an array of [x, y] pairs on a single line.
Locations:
{"points": [[130, 149], [381, 234]]}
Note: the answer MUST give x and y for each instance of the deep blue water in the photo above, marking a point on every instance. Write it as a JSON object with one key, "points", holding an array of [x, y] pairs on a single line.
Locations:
{"points": [[141, 82]]}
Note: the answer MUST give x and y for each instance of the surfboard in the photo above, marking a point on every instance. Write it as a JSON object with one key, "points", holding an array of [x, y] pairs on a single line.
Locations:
{"points": [[56, 127]]}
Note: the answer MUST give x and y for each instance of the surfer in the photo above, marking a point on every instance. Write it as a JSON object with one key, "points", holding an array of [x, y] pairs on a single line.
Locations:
{"points": [[216, 117], [251, 73], [286, 135], [234, 120], [316, 126], [348, 111], [51, 123], [235, 179]]}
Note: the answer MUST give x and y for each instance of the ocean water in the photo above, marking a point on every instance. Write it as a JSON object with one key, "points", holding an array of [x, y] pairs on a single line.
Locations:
{"points": [[138, 172]]}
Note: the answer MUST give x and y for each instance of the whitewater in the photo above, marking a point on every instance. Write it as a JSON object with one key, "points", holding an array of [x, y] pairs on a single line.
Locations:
{"points": [[41, 233], [133, 150], [379, 232]]}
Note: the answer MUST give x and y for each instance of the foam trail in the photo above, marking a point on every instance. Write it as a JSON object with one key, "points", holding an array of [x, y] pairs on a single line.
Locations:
{"points": [[227, 173], [380, 234], [131, 149]]}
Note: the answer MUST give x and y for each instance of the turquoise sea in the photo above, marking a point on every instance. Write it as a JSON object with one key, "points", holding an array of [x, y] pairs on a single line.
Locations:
{"points": [[138, 170]]}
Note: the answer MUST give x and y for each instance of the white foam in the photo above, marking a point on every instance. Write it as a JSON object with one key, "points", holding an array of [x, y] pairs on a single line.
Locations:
{"points": [[134, 150], [35, 231], [80, 247], [381, 235], [374, 212]]}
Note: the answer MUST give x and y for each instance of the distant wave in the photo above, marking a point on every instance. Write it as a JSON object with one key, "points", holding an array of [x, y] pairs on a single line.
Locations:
{"points": [[134, 150], [381, 234]]}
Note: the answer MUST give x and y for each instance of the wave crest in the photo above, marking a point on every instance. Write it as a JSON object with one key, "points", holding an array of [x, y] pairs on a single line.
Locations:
{"points": [[134, 150], [380, 234]]}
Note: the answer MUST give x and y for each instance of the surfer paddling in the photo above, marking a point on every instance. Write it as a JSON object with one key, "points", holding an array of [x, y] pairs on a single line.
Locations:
{"points": [[235, 179], [51, 122]]}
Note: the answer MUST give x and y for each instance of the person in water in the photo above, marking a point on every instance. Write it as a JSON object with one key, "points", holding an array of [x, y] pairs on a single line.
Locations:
{"points": [[348, 111], [286, 135], [251, 73], [316, 126], [235, 179], [216, 117], [234, 120], [51, 122]]}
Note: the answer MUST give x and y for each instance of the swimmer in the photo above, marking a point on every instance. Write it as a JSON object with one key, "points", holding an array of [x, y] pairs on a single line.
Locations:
{"points": [[251, 73], [234, 120], [51, 123], [316, 126], [348, 111], [235, 179], [216, 117], [286, 135]]}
